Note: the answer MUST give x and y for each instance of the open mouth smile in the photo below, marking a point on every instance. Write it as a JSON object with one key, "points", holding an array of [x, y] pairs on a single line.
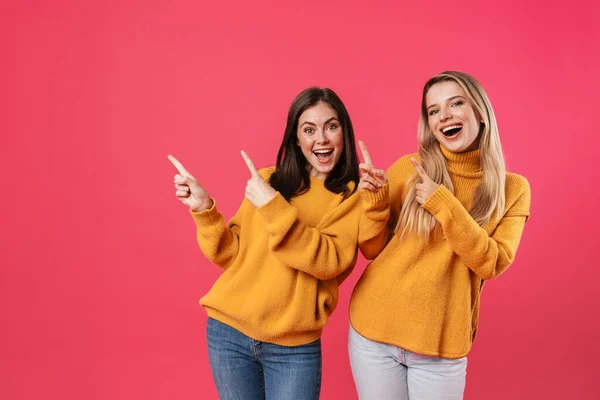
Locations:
{"points": [[452, 130], [323, 155]]}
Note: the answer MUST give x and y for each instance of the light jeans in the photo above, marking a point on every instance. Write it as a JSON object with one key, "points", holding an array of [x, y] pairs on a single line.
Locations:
{"points": [[385, 372]]}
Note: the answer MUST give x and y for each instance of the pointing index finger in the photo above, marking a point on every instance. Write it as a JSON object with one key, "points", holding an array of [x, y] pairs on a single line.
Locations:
{"points": [[365, 152], [419, 169], [179, 166], [250, 164]]}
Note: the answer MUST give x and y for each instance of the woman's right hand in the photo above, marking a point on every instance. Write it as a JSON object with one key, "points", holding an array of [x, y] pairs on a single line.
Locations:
{"points": [[189, 191], [370, 178]]}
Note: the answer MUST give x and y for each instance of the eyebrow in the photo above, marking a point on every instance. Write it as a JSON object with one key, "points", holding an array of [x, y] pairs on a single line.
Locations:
{"points": [[326, 122], [449, 99]]}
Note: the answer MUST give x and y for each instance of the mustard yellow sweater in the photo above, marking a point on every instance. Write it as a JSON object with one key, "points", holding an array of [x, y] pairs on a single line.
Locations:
{"points": [[424, 297], [283, 262]]}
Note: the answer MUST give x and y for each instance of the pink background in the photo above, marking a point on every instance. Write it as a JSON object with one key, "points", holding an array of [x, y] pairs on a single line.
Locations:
{"points": [[100, 271]]}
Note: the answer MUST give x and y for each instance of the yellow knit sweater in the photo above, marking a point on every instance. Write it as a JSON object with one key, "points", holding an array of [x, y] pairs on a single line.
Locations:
{"points": [[424, 297], [283, 262]]}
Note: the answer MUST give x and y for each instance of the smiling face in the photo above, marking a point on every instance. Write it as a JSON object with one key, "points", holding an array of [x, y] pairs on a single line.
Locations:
{"points": [[321, 139], [451, 117]]}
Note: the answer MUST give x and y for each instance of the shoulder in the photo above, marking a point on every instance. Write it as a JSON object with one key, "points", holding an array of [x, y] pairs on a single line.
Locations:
{"points": [[404, 161], [518, 195], [517, 184], [403, 168], [266, 172]]}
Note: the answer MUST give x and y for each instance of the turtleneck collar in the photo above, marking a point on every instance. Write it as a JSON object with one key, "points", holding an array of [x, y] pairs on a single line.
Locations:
{"points": [[467, 163]]}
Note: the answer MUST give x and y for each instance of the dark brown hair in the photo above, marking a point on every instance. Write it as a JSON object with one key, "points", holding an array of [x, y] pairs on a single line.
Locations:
{"points": [[291, 176]]}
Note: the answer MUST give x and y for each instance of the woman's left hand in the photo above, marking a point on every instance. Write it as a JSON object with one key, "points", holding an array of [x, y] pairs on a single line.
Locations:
{"points": [[427, 186], [258, 191]]}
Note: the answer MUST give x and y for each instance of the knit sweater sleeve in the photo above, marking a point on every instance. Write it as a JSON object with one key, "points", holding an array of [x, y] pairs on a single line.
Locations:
{"points": [[325, 251], [373, 226], [381, 209], [218, 241], [488, 255]]}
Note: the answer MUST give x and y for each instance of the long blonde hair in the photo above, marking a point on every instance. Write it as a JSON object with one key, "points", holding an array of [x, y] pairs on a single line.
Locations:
{"points": [[489, 200]]}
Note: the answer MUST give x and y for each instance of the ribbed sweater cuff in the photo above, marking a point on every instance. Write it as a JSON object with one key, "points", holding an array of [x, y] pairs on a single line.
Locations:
{"points": [[274, 208], [373, 199], [205, 217], [438, 199]]}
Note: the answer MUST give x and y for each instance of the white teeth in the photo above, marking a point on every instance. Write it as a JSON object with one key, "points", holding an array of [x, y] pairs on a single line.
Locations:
{"points": [[323, 151], [446, 129]]}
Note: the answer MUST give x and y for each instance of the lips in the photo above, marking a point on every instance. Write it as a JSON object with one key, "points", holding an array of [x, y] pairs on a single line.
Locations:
{"points": [[323, 155], [452, 130]]}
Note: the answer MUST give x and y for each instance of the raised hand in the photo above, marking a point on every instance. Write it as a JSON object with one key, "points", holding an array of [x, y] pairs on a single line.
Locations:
{"points": [[370, 178], [258, 191], [189, 191], [427, 186]]}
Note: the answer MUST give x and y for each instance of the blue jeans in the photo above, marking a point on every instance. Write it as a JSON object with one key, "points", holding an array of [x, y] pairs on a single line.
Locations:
{"points": [[386, 372], [244, 368]]}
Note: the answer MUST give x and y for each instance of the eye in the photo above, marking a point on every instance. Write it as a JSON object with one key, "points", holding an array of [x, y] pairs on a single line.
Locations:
{"points": [[457, 103], [433, 112], [332, 127], [309, 130]]}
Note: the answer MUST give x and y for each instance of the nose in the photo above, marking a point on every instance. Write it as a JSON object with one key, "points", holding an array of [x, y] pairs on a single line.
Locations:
{"points": [[445, 113], [322, 136]]}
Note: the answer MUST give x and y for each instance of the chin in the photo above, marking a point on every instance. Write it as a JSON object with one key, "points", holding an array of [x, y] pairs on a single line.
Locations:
{"points": [[454, 147], [324, 171], [321, 172]]}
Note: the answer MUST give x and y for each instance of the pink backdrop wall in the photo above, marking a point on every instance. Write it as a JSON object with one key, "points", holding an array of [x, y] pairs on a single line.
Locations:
{"points": [[100, 271]]}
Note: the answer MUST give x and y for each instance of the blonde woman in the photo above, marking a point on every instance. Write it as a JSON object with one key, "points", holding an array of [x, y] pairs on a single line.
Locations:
{"points": [[437, 225]]}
